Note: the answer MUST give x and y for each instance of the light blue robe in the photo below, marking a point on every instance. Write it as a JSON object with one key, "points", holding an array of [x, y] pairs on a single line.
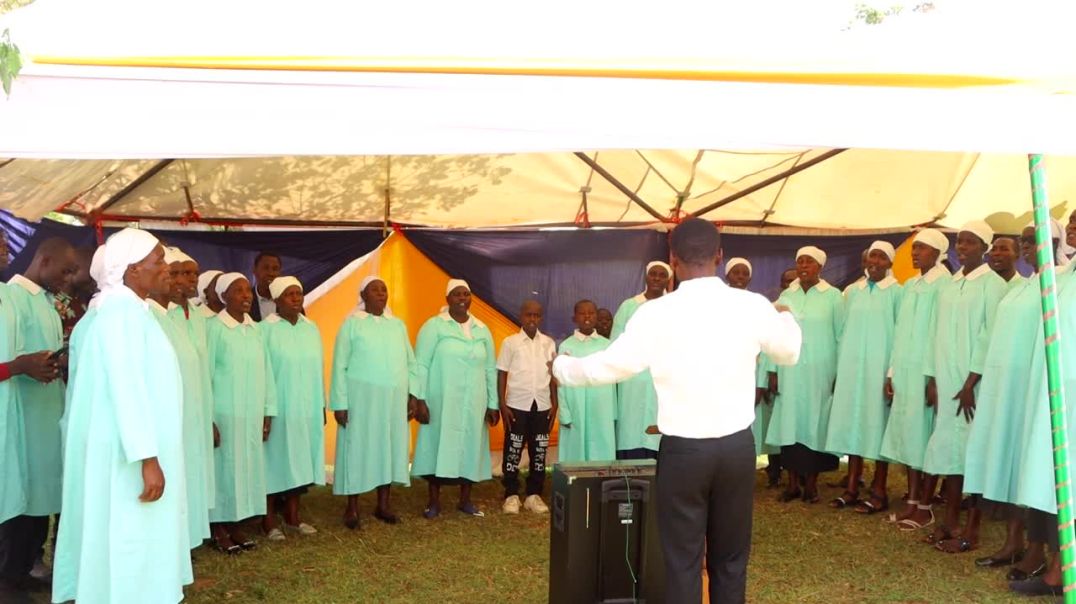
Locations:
{"points": [[763, 410], [198, 426], [805, 390], [295, 451], [12, 451], [126, 406], [244, 393], [373, 365], [587, 414], [636, 398], [962, 323], [457, 377], [42, 404], [860, 410], [910, 420]]}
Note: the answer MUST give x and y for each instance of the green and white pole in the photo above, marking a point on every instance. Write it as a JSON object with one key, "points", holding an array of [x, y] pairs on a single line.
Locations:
{"points": [[1052, 340]]}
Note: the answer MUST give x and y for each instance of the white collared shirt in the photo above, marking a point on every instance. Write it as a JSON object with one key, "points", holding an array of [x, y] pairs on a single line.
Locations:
{"points": [[527, 362], [582, 337], [700, 344], [265, 305]]}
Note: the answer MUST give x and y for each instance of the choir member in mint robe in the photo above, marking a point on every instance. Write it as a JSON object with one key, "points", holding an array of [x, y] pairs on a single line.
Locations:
{"points": [[765, 392], [373, 366], [860, 409], [456, 392], [209, 301], [637, 401], [244, 403], [587, 414], [910, 419], [804, 391], [123, 534], [295, 451], [964, 318], [604, 325], [1002, 258]]}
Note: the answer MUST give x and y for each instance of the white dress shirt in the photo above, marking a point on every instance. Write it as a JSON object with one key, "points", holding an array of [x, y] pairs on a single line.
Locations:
{"points": [[700, 344], [265, 305], [527, 362]]}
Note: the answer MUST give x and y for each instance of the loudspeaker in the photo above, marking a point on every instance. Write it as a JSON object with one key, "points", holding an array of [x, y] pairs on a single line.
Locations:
{"points": [[603, 544]]}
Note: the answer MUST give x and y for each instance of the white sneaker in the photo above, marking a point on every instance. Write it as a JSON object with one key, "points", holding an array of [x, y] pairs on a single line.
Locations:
{"points": [[534, 503], [511, 505], [303, 529], [276, 535]]}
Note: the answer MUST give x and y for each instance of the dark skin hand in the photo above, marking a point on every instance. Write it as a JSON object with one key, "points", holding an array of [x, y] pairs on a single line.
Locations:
{"points": [[932, 393], [216, 436], [267, 425], [887, 390], [492, 417], [152, 481], [772, 389], [422, 411], [341, 418], [966, 396], [36, 366]]}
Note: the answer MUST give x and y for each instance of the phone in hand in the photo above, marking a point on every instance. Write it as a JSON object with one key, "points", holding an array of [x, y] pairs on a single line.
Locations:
{"points": [[59, 353]]}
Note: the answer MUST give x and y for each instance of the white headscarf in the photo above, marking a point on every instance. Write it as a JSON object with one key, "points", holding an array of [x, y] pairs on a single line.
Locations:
{"points": [[738, 262], [225, 281], [885, 247], [668, 269], [362, 287], [812, 252], [980, 229], [179, 256], [203, 282], [122, 249], [280, 284], [453, 284], [170, 255], [97, 273], [934, 238]]}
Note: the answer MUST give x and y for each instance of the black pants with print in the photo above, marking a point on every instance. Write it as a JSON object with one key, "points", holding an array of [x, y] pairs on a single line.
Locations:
{"points": [[531, 430]]}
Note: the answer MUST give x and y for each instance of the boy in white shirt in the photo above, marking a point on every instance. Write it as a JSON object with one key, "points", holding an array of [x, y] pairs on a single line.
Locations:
{"points": [[528, 402]]}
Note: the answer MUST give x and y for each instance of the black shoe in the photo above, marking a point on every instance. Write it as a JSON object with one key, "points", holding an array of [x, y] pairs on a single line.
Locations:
{"points": [[991, 562], [386, 518], [1016, 574], [1035, 587]]}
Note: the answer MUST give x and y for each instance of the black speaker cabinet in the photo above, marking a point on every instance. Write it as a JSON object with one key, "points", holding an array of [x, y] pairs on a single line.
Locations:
{"points": [[603, 544]]}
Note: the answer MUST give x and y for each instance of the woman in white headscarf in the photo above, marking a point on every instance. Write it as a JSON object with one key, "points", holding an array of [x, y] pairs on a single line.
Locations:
{"points": [[123, 535], [805, 390], [456, 388], [373, 364]]}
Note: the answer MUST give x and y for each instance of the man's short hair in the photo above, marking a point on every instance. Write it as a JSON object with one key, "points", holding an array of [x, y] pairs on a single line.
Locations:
{"points": [[695, 241], [575, 308], [262, 255]]}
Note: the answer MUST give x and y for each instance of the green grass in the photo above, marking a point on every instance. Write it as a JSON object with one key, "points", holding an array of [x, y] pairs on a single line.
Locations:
{"points": [[800, 553]]}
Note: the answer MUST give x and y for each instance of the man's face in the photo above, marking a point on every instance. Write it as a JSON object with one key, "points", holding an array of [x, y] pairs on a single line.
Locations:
{"points": [[188, 273], [58, 271], [604, 323], [969, 247], [878, 265], [530, 317], [150, 275], [923, 255], [788, 277], [1003, 255], [586, 318], [267, 269]]}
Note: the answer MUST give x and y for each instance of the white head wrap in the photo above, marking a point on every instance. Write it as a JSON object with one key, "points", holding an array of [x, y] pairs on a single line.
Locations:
{"points": [[980, 229], [1064, 250], [453, 284], [812, 252], [204, 280], [362, 287], [668, 269], [738, 262], [277, 287], [225, 281], [934, 238], [170, 255], [127, 247], [97, 265], [177, 255], [885, 247]]}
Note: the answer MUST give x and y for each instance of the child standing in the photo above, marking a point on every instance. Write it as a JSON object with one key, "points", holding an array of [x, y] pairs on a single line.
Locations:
{"points": [[587, 413]]}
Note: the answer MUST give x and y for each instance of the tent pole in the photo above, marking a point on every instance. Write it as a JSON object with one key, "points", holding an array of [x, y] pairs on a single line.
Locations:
{"points": [[769, 181], [620, 186], [1052, 337], [388, 196], [134, 184]]}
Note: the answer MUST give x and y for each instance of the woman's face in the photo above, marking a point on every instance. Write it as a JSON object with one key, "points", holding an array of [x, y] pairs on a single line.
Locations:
{"points": [[290, 303], [376, 297], [878, 265], [739, 277], [459, 299], [808, 269], [969, 247], [657, 279], [237, 297]]}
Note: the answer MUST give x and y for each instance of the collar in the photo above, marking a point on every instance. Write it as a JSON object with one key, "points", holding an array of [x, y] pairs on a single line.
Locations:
{"points": [[231, 323], [983, 269], [585, 338], [172, 305], [537, 335], [275, 318], [470, 319], [362, 314], [936, 273], [821, 286], [26, 284], [155, 306], [863, 282]]}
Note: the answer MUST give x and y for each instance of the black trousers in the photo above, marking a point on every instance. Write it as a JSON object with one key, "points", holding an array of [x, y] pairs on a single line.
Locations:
{"points": [[704, 498], [640, 453], [21, 539], [531, 430]]}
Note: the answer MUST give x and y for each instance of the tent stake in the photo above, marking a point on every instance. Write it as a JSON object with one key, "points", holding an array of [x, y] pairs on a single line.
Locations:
{"points": [[620, 186], [769, 181]]}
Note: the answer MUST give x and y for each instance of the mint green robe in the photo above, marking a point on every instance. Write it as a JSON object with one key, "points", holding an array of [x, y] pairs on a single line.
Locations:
{"points": [[763, 410], [457, 377], [197, 452], [126, 406], [860, 410], [12, 451], [962, 323], [42, 404], [244, 393], [992, 463], [198, 425], [373, 365], [910, 420], [295, 451], [587, 414], [636, 398], [805, 390]]}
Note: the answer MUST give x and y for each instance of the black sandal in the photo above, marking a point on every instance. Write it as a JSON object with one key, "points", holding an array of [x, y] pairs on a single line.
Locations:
{"points": [[846, 499], [940, 533], [230, 550], [869, 506]]}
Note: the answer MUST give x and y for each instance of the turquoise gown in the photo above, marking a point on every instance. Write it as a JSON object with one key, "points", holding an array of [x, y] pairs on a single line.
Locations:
{"points": [[590, 410], [457, 377], [763, 410], [805, 390], [637, 400], [244, 393], [126, 406], [860, 410], [197, 442], [198, 425], [962, 323], [42, 404], [910, 420], [295, 451], [373, 366], [13, 477], [993, 455]]}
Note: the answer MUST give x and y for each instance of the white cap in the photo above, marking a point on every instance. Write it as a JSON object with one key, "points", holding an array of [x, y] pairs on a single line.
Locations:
{"points": [[885, 247], [453, 284], [370, 279], [934, 238], [174, 254], [97, 265], [668, 269], [204, 280], [127, 247], [738, 262], [812, 252], [980, 229], [281, 284], [226, 280]]}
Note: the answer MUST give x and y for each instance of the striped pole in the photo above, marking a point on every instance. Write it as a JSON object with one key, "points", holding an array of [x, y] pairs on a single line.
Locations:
{"points": [[1052, 337]]}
